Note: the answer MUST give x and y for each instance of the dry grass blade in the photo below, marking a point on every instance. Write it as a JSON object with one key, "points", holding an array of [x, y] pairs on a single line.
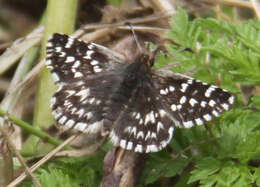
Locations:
{"points": [[28, 172], [18, 48], [256, 6], [29, 77], [237, 3], [133, 21], [19, 179]]}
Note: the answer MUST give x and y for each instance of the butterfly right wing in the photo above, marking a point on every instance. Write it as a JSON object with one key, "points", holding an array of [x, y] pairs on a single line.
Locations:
{"points": [[189, 101]]}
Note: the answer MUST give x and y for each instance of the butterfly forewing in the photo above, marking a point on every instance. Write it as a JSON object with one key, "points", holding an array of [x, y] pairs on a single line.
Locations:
{"points": [[73, 60], [136, 105]]}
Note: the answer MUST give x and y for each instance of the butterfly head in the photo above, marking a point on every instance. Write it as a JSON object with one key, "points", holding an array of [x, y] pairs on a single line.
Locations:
{"points": [[145, 59]]}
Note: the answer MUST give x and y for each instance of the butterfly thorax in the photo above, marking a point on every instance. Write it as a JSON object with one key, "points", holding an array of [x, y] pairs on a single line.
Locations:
{"points": [[137, 74], [135, 78]]}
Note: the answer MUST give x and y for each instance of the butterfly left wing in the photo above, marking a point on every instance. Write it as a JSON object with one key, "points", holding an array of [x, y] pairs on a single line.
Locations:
{"points": [[189, 101]]}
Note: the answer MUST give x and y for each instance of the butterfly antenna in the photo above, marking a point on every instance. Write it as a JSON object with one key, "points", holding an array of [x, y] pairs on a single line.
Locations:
{"points": [[135, 38]]}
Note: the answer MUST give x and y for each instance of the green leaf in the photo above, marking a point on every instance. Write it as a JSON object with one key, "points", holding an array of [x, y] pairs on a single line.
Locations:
{"points": [[257, 176], [212, 172], [115, 2], [161, 165], [206, 167], [180, 26]]}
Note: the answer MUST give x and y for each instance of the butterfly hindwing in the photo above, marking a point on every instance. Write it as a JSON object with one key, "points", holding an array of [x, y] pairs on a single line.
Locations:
{"points": [[190, 101]]}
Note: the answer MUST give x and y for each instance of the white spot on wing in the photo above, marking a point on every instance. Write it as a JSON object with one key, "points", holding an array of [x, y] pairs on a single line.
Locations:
{"points": [[212, 103], [58, 49], [209, 90], [207, 117], [153, 135], [151, 148], [97, 69], [69, 59], [138, 115], [80, 126], [91, 101], [188, 124], [184, 87], [173, 107], [140, 134], [133, 131], [203, 104], [162, 113], [139, 148], [84, 93], [163, 92], [63, 119], [53, 101], [49, 44], [55, 76], [62, 54], [183, 100], [148, 135], [199, 121], [94, 62], [48, 63], [190, 81], [76, 64], [159, 126], [231, 100], [56, 114], [80, 112], [171, 88], [70, 93], [70, 123], [225, 106], [193, 101], [94, 127], [78, 74], [123, 144], [129, 145], [89, 53], [114, 138], [215, 113], [89, 115], [69, 43]]}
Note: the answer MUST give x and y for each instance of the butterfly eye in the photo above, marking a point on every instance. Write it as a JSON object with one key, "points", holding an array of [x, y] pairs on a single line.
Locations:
{"points": [[151, 62]]}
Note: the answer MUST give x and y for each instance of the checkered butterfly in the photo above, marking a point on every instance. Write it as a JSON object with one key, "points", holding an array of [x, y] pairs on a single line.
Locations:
{"points": [[99, 89]]}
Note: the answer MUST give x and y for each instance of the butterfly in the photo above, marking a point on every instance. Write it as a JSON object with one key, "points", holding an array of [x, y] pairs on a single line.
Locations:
{"points": [[138, 105]]}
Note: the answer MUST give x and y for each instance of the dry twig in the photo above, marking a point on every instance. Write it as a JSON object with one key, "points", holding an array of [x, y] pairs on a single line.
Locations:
{"points": [[19, 179], [28, 172]]}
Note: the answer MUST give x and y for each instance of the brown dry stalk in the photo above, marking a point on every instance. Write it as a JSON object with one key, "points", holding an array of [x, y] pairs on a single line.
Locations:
{"points": [[19, 179], [28, 172], [122, 168]]}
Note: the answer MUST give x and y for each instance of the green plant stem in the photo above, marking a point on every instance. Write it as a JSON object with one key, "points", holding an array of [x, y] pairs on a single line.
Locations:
{"points": [[60, 17], [29, 128]]}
